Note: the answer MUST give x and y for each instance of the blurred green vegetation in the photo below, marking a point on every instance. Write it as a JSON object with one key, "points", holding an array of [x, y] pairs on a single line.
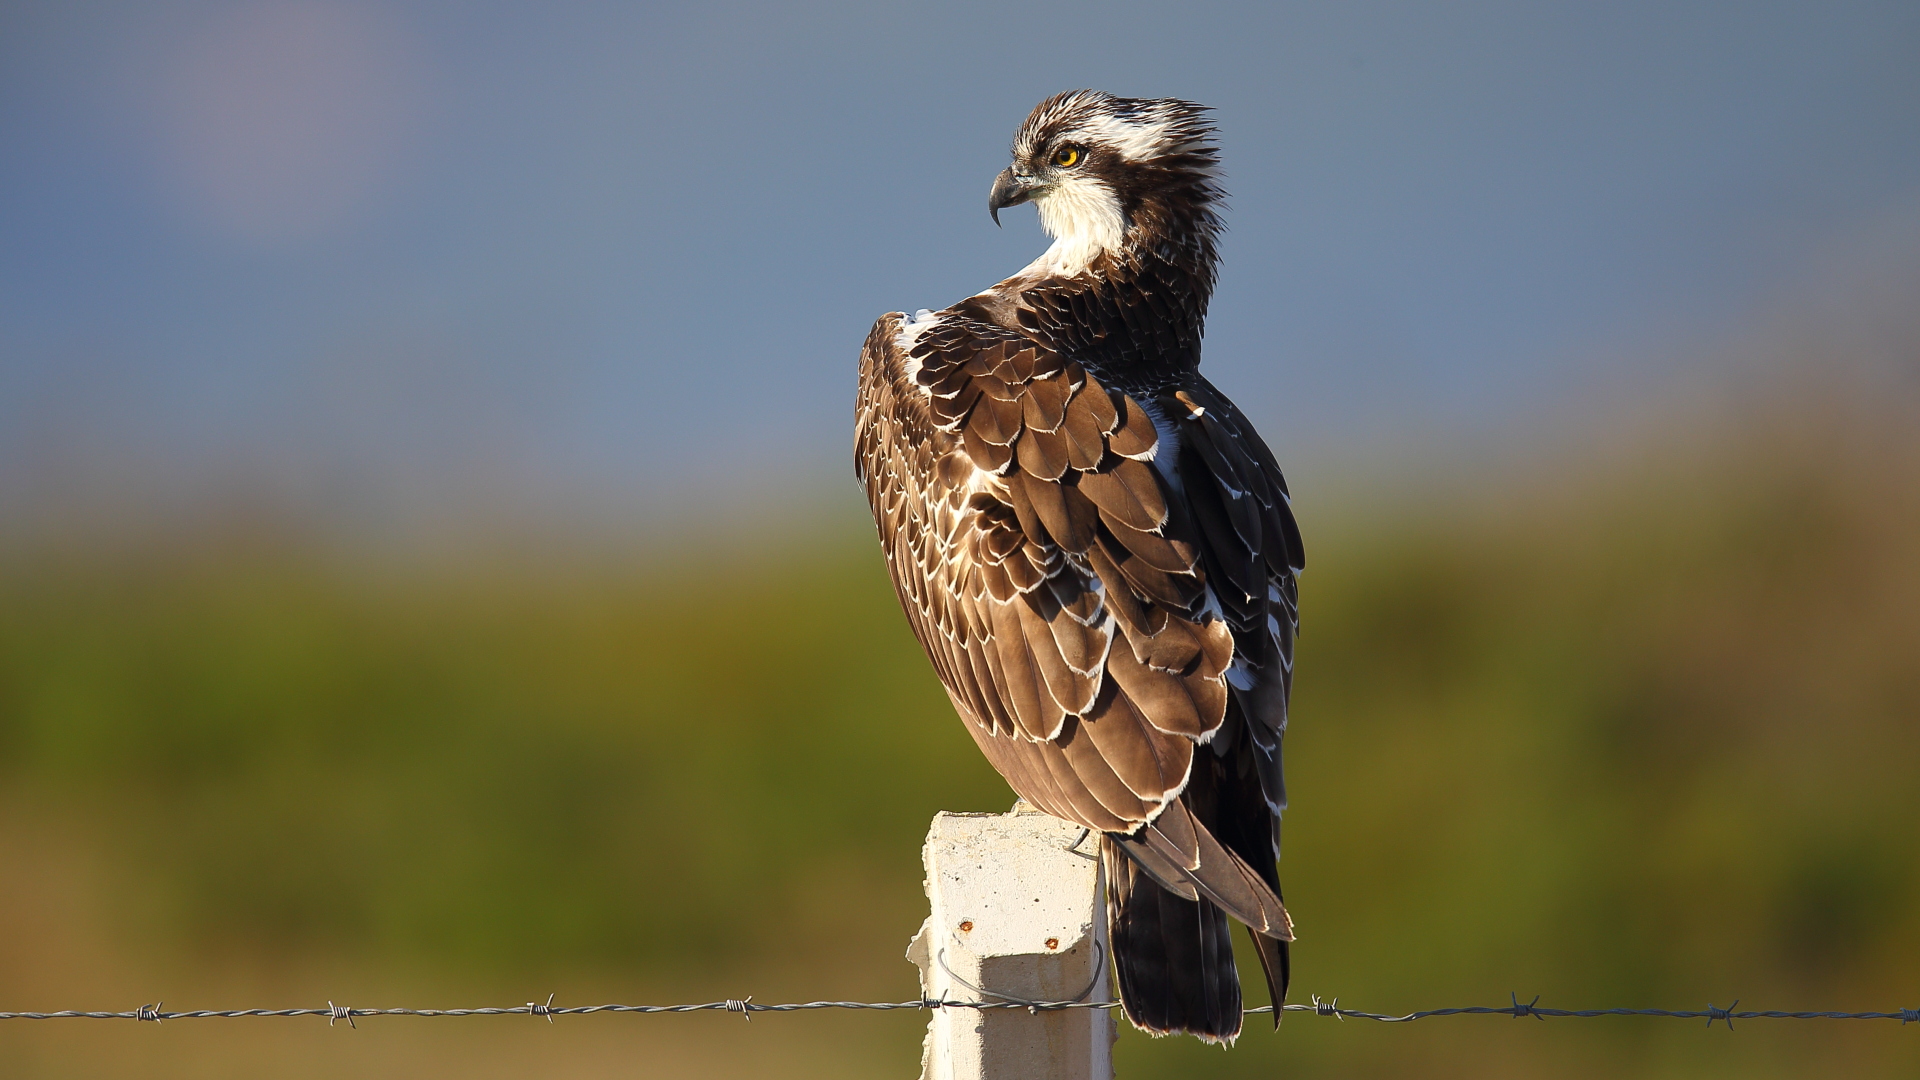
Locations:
{"points": [[1639, 732], [493, 768]]}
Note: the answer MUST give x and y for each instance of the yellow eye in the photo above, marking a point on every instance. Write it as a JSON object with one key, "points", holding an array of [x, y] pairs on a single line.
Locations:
{"points": [[1067, 157]]}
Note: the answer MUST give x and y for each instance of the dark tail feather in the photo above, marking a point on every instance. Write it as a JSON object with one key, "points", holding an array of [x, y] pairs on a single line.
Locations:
{"points": [[1173, 957], [1277, 962]]}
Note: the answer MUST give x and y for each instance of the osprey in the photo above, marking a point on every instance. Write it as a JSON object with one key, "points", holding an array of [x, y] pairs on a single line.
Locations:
{"points": [[1096, 549]]}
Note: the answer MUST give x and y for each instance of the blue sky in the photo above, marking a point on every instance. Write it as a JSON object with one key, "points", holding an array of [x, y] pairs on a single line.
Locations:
{"points": [[614, 258]]}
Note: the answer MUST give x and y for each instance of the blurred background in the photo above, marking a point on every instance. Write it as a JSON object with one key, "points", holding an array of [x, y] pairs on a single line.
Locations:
{"points": [[431, 573]]}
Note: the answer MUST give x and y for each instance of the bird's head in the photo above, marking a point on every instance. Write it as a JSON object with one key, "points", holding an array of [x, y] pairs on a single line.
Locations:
{"points": [[1101, 169]]}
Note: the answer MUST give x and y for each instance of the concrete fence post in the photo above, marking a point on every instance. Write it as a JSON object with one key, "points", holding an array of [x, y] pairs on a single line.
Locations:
{"points": [[1018, 913]]}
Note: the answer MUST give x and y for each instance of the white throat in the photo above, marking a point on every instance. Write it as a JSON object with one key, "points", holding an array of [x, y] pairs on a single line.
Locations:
{"points": [[1083, 217]]}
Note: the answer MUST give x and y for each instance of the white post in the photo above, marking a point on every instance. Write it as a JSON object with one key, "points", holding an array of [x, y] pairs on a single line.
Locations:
{"points": [[1017, 913]]}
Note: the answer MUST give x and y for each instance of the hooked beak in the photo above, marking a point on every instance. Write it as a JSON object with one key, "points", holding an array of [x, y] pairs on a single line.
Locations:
{"points": [[1008, 190]]}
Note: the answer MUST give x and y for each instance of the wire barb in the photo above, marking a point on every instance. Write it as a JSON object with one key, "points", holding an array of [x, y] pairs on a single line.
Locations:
{"points": [[1722, 1014], [534, 1008], [1528, 1009], [340, 1012], [743, 1007], [149, 1012]]}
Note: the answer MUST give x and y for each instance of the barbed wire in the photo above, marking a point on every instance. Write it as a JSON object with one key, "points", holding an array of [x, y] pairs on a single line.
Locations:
{"points": [[747, 1007]]}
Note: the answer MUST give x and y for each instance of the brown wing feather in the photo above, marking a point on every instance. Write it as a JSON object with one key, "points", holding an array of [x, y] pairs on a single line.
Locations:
{"points": [[1063, 586]]}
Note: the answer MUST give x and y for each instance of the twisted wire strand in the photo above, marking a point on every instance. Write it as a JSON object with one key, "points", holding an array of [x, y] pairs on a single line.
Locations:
{"points": [[747, 1007]]}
